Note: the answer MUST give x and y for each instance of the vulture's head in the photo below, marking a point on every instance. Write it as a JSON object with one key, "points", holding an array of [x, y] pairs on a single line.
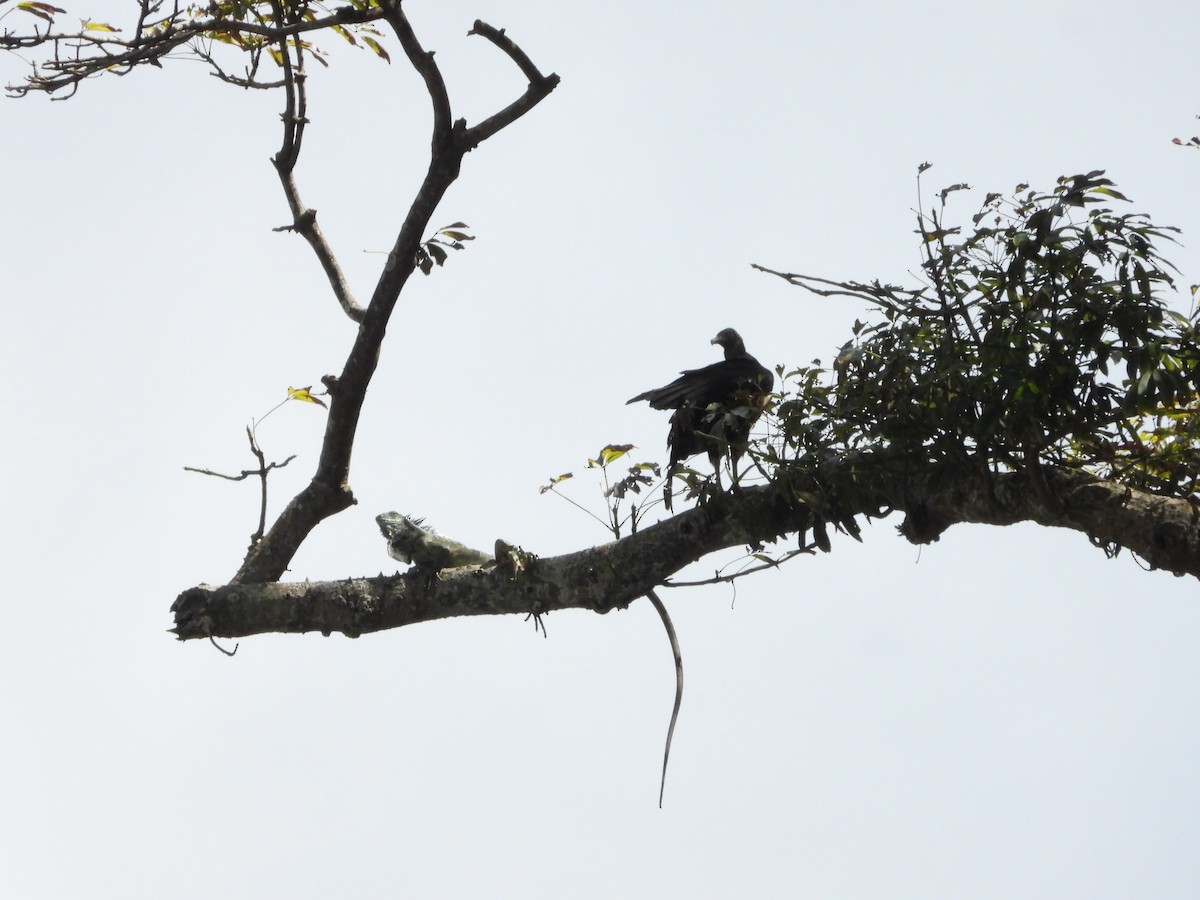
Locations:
{"points": [[731, 341]]}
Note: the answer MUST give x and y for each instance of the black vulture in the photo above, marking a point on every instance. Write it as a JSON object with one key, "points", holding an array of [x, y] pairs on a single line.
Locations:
{"points": [[714, 406]]}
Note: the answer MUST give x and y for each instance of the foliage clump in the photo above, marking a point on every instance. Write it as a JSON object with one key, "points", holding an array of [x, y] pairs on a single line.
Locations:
{"points": [[1041, 335]]}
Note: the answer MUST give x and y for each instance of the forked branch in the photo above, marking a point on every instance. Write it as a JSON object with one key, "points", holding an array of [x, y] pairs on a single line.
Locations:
{"points": [[279, 30], [329, 491]]}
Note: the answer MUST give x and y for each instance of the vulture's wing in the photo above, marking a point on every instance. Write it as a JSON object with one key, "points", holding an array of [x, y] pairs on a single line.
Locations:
{"points": [[698, 387], [712, 384]]}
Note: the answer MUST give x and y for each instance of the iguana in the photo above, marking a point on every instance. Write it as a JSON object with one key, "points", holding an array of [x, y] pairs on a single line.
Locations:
{"points": [[409, 542]]}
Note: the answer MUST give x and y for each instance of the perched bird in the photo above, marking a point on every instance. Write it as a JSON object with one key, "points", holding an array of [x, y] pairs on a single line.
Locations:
{"points": [[714, 406]]}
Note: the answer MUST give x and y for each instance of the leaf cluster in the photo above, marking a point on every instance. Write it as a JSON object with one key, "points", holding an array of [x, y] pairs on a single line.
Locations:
{"points": [[639, 476], [433, 250], [1041, 334], [219, 32]]}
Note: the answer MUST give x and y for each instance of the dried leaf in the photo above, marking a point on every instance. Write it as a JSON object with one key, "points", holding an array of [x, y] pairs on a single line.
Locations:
{"points": [[553, 481], [438, 254], [41, 10], [379, 51]]}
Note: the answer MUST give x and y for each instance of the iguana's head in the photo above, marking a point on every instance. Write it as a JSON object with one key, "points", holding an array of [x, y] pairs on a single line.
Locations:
{"points": [[401, 533]]}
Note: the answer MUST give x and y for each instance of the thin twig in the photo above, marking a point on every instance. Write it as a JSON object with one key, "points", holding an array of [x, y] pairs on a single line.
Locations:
{"points": [[246, 473], [262, 471], [750, 570]]}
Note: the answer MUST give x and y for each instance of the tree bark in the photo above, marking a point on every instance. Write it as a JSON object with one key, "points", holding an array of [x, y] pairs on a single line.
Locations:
{"points": [[1164, 532]]}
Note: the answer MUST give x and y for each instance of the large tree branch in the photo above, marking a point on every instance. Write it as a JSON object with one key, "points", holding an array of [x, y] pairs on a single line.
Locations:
{"points": [[329, 492], [422, 61], [1162, 531]]}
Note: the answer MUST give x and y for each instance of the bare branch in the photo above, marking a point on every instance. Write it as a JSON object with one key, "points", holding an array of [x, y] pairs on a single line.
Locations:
{"points": [[262, 471], [241, 476], [501, 40], [730, 578], [304, 219], [329, 492], [884, 295], [539, 88], [422, 61], [306, 226]]}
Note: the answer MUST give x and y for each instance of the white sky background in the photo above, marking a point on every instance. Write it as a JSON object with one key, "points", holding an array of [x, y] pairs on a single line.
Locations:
{"points": [[1002, 714]]}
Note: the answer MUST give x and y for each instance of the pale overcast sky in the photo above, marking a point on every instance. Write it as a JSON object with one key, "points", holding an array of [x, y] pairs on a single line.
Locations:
{"points": [[1003, 714]]}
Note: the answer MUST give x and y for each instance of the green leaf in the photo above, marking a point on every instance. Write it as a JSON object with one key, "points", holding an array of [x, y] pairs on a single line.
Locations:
{"points": [[609, 453]]}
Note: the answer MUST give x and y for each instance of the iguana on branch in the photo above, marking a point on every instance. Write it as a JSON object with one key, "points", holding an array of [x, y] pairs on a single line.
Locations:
{"points": [[429, 551]]}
